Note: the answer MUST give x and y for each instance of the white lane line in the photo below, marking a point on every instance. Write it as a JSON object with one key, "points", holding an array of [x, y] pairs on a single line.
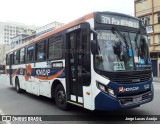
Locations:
{"points": [[2, 113]]}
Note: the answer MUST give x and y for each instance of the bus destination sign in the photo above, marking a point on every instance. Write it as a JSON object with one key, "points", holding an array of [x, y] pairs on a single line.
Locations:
{"points": [[119, 20]]}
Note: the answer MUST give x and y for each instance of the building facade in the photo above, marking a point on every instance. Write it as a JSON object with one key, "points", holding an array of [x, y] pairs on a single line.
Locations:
{"points": [[149, 12], [12, 29], [3, 49], [48, 27], [20, 39]]}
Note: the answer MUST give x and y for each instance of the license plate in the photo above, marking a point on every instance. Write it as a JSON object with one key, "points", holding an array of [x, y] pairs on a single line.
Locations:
{"points": [[137, 99]]}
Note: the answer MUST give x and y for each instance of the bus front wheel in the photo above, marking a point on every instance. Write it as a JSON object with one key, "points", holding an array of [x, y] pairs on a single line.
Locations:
{"points": [[60, 97]]}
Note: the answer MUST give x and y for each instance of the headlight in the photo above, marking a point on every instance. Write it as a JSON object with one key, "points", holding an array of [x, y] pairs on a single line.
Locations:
{"points": [[111, 92], [101, 87], [106, 89]]}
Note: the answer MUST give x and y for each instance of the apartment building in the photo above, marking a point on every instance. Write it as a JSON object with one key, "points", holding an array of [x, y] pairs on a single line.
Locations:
{"points": [[12, 29], [22, 38], [149, 12], [48, 27], [8, 30]]}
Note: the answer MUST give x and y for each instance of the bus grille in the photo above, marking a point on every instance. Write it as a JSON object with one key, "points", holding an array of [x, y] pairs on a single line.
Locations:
{"points": [[131, 78], [130, 99]]}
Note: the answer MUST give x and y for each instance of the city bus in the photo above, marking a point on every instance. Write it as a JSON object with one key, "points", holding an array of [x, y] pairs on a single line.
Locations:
{"points": [[100, 61]]}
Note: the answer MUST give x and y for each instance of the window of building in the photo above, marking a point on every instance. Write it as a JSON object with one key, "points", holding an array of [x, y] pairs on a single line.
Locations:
{"points": [[159, 38], [40, 51], [30, 53], [158, 17], [16, 57], [146, 20], [22, 55], [55, 50]]}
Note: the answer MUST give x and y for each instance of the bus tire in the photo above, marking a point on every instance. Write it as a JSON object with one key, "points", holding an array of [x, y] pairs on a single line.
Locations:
{"points": [[60, 97], [18, 89]]}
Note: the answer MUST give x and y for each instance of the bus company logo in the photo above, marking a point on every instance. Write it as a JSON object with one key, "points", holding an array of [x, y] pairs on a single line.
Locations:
{"points": [[146, 86], [122, 89], [43, 71]]}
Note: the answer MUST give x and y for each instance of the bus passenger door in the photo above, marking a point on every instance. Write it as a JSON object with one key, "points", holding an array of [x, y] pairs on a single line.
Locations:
{"points": [[77, 64]]}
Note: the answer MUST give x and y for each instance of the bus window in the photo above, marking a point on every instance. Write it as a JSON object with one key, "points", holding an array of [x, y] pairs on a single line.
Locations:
{"points": [[7, 59], [55, 48], [30, 53], [22, 55], [40, 51], [16, 57]]}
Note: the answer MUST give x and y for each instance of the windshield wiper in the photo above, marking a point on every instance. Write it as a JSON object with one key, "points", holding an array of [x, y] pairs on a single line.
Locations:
{"points": [[115, 30]]}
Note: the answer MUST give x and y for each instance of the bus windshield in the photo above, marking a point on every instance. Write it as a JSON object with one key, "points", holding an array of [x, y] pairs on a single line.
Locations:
{"points": [[121, 51]]}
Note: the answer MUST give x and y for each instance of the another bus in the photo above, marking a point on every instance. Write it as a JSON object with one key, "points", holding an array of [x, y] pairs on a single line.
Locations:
{"points": [[100, 61]]}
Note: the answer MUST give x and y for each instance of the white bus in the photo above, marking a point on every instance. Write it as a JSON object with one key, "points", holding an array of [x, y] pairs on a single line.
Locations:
{"points": [[99, 62]]}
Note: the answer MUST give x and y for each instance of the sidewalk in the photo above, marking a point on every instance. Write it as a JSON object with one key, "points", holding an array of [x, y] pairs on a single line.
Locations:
{"points": [[156, 79]]}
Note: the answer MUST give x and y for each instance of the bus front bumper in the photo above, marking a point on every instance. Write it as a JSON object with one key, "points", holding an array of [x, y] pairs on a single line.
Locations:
{"points": [[104, 101]]}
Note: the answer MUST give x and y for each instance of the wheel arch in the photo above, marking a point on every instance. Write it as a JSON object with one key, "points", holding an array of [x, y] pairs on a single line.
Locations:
{"points": [[54, 84]]}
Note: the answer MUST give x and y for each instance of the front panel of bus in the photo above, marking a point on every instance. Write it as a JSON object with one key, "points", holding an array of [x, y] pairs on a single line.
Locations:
{"points": [[122, 70]]}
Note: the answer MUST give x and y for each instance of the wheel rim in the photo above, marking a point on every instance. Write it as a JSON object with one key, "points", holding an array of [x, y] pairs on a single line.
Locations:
{"points": [[61, 96]]}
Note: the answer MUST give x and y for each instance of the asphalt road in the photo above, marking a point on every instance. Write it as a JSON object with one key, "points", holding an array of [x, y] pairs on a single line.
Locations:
{"points": [[12, 103]]}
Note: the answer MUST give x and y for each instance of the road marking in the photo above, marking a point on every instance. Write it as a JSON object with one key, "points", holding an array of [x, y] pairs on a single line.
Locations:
{"points": [[2, 113]]}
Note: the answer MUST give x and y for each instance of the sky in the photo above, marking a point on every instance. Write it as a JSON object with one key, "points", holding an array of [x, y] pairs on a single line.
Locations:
{"points": [[42, 12]]}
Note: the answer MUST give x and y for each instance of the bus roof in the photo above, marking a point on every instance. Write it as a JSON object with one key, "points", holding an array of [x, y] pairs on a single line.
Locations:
{"points": [[77, 21]]}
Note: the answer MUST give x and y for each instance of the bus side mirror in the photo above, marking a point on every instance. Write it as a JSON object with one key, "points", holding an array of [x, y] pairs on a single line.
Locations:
{"points": [[94, 49]]}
